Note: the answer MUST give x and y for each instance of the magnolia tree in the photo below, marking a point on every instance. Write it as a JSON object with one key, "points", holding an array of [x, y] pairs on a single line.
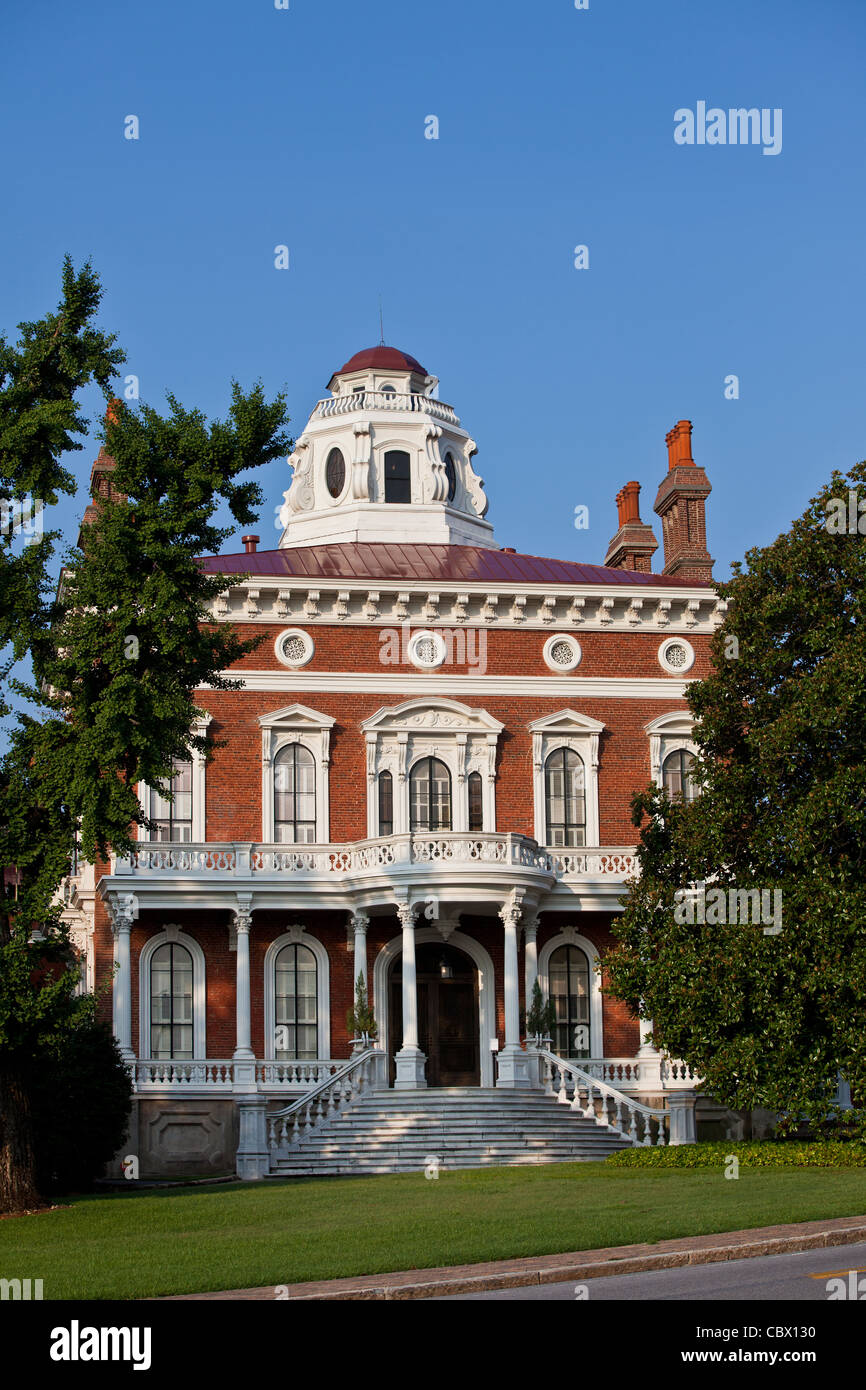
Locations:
{"points": [[116, 655], [744, 937]]}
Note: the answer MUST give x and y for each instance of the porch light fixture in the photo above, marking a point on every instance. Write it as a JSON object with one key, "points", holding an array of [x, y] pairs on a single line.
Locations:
{"points": [[445, 970]]}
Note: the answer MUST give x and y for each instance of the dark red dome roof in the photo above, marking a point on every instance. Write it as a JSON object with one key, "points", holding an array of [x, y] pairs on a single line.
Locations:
{"points": [[390, 359]]}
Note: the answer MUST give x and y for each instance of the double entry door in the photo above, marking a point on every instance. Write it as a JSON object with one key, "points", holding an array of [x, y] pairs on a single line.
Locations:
{"points": [[447, 983]]}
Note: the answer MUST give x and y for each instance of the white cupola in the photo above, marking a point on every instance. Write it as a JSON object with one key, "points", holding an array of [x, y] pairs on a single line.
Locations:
{"points": [[382, 459]]}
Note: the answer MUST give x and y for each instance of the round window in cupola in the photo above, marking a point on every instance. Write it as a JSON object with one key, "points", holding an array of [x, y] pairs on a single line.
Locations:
{"points": [[335, 473]]}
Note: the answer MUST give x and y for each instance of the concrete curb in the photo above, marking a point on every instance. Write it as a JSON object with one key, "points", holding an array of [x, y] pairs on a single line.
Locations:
{"points": [[557, 1269]]}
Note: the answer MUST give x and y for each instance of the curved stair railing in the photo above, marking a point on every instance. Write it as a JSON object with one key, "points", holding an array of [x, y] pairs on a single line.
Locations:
{"points": [[618, 1112], [287, 1127]]}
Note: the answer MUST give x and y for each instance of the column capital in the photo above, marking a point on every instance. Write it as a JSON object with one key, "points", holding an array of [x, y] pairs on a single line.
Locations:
{"points": [[530, 926], [243, 913], [123, 911], [406, 914], [356, 925], [512, 909]]}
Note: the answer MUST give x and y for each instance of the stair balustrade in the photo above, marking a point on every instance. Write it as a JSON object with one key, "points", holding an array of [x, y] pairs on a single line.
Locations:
{"points": [[288, 1126], [595, 1100]]}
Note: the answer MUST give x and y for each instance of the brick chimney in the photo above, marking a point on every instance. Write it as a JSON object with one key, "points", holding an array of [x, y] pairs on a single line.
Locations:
{"points": [[634, 544], [100, 476], [680, 503]]}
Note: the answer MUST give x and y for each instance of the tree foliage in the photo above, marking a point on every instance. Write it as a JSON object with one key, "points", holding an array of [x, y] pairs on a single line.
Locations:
{"points": [[767, 1019], [117, 653]]}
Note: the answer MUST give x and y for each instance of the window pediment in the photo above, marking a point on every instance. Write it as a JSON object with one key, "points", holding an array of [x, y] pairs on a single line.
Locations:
{"points": [[297, 717], [566, 721], [450, 716]]}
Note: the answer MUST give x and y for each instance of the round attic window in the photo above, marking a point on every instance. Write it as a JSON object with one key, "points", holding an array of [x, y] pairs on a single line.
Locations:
{"points": [[562, 653], [676, 656], [335, 473], [294, 647], [427, 650]]}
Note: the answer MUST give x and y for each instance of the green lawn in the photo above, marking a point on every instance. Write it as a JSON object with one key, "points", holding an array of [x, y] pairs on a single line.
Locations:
{"points": [[133, 1245]]}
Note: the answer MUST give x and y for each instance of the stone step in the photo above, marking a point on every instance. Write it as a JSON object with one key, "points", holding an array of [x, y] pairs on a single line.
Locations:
{"points": [[462, 1127]]}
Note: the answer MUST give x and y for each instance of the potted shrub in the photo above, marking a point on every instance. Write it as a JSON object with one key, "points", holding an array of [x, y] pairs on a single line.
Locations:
{"points": [[361, 1023], [541, 1019]]}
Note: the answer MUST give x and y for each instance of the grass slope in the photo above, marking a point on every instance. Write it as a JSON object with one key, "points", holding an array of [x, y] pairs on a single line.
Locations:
{"points": [[185, 1241]]}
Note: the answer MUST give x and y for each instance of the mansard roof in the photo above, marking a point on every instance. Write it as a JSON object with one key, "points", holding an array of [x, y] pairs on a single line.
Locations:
{"points": [[387, 560]]}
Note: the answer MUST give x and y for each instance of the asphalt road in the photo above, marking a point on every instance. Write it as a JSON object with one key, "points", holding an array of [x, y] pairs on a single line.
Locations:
{"points": [[801, 1278]]}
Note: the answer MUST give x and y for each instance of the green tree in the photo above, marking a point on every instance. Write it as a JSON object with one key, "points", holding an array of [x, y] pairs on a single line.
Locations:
{"points": [[41, 376], [117, 655], [767, 1018]]}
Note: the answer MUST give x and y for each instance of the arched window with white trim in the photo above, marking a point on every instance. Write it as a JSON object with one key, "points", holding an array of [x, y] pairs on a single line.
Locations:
{"points": [[677, 777], [297, 998], [171, 1002], [565, 799], [295, 795], [430, 795], [295, 1004], [570, 992]]}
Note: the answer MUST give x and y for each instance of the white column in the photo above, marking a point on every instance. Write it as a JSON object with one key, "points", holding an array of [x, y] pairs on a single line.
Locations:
{"points": [[513, 1061], [410, 1059], [243, 920], [360, 922], [357, 939], [124, 911], [646, 1049], [530, 958]]}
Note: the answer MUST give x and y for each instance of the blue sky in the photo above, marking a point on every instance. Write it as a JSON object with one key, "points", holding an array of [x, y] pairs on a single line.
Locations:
{"points": [[305, 127]]}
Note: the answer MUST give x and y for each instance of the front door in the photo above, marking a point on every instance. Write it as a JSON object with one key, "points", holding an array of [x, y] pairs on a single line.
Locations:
{"points": [[447, 1015]]}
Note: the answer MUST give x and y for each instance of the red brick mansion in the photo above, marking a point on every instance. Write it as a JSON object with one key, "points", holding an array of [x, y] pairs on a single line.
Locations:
{"points": [[425, 782]]}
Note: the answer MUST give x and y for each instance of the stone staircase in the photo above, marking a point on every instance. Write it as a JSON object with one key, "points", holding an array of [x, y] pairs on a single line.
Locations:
{"points": [[461, 1127]]}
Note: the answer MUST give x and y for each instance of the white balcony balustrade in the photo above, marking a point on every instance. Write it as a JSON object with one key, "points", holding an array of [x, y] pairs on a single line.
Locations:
{"points": [[363, 857], [373, 401]]}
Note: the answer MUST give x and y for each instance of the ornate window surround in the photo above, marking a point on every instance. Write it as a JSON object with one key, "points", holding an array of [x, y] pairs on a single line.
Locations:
{"points": [[667, 734], [296, 724], [299, 936], [569, 936], [464, 738], [171, 932], [566, 729], [198, 833]]}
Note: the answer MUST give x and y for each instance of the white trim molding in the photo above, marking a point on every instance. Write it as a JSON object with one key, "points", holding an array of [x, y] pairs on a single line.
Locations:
{"points": [[435, 683], [667, 734], [171, 934], [299, 936], [486, 988], [463, 737], [569, 936], [312, 730], [566, 729]]}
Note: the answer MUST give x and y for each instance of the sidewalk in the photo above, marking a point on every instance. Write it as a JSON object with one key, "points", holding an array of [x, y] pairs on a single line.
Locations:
{"points": [[555, 1269]]}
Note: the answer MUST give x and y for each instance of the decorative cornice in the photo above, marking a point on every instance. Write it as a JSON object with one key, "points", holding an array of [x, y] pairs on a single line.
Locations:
{"points": [[619, 607]]}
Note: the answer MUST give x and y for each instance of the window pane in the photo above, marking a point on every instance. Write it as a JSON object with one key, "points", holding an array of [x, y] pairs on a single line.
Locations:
{"points": [[569, 990], [398, 487], [296, 1003], [386, 804], [476, 805], [171, 1002]]}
